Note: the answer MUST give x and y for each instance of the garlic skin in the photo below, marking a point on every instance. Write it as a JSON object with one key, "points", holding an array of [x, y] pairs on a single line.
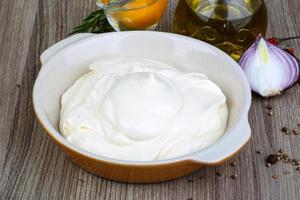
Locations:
{"points": [[269, 69]]}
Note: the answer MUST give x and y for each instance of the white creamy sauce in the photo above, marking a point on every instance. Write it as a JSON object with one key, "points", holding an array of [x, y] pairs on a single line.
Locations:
{"points": [[142, 110]]}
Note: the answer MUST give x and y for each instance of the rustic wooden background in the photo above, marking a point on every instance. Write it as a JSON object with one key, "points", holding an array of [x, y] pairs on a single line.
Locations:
{"points": [[32, 167]]}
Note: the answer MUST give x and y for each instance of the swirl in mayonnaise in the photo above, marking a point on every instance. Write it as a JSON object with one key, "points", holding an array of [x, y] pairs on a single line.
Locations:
{"points": [[142, 110]]}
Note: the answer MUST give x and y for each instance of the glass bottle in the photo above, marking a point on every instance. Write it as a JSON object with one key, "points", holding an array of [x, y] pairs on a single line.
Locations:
{"points": [[231, 25]]}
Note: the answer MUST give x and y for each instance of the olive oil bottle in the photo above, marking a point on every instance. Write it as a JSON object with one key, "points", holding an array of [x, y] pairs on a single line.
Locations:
{"points": [[231, 25]]}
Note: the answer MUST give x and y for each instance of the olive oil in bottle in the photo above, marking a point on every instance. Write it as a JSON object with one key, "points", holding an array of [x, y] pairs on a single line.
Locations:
{"points": [[231, 25]]}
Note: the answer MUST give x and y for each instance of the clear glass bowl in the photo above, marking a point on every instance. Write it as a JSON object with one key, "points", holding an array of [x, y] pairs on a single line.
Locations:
{"points": [[133, 14]]}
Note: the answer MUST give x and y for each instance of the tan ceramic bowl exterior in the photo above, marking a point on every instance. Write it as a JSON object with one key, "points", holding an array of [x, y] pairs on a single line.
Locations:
{"points": [[69, 59]]}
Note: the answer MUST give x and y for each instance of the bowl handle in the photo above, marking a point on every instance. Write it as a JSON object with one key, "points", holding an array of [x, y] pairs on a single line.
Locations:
{"points": [[48, 53], [228, 146]]}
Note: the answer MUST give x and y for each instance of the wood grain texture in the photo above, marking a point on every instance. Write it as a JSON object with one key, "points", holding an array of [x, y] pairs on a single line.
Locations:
{"points": [[32, 167]]}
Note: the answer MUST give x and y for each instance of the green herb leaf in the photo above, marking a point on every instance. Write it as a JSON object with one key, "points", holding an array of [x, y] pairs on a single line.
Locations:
{"points": [[95, 22]]}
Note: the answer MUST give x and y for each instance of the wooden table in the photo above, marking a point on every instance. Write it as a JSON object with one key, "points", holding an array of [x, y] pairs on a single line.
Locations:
{"points": [[32, 167]]}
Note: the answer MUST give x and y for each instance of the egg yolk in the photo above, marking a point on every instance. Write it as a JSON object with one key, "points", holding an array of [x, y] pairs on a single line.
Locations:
{"points": [[140, 14]]}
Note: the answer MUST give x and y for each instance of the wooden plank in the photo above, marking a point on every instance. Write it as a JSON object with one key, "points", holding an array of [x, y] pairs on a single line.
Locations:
{"points": [[32, 167], [15, 34]]}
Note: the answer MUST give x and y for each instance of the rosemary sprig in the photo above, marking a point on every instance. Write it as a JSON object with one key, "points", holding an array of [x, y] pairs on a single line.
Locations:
{"points": [[95, 22]]}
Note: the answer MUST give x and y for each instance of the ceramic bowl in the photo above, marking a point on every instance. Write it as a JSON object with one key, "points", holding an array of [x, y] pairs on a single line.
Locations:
{"points": [[69, 59]]}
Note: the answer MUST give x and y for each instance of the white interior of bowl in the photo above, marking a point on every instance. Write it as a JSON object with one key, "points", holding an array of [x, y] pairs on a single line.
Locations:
{"points": [[186, 54]]}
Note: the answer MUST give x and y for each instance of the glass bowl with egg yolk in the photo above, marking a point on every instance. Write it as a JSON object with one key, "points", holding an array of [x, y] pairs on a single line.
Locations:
{"points": [[126, 15]]}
